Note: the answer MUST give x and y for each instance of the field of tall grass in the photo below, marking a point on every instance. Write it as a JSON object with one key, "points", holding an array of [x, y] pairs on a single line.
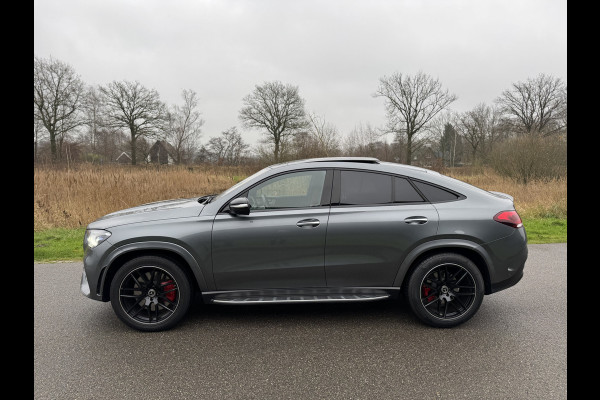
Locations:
{"points": [[73, 197]]}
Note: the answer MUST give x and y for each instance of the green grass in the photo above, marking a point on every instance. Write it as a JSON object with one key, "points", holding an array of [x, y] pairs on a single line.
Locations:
{"points": [[59, 244], [66, 244], [546, 230]]}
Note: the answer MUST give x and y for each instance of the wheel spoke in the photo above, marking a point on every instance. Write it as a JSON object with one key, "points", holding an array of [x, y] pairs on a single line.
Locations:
{"points": [[169, 291], [166, 308], [445, 309], [167, 301], [432, 293], [431, 302], [461, 303], [137, 312], [137, 298], [462, 277], [464, 294]]}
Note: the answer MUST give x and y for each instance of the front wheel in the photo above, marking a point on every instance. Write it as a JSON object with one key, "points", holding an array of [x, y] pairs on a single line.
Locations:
{"points": [[150, 293], [445, 290]]}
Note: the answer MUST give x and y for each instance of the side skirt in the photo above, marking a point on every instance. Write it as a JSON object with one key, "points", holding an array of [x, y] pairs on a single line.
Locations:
{"points": [[300, 295]]}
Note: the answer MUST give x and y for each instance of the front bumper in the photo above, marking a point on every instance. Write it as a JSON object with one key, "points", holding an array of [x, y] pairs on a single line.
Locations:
{"points": [[85, 286], [93, 269]]}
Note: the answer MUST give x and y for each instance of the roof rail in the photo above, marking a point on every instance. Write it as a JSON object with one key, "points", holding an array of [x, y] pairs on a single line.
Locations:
{"points": [[366, 160]]}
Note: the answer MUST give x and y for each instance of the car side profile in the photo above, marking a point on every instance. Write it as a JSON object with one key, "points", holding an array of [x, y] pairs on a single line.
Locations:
{"points": [[338, 229]]}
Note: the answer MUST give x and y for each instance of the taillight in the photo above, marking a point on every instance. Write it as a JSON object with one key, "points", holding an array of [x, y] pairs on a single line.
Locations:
{"points": [[510, 218]]}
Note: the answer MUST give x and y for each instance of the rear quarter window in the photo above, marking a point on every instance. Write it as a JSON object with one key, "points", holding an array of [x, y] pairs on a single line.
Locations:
{"points": [[435, 193]]}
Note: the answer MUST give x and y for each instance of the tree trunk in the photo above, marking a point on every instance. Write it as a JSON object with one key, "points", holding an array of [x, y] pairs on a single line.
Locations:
{"points": [[133, 149], [53, 146], [409, 149], [276, 152]]}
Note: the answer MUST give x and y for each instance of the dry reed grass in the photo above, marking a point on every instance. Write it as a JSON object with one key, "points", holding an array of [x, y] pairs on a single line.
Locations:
{"points": [[73, 197], [537, 199]]}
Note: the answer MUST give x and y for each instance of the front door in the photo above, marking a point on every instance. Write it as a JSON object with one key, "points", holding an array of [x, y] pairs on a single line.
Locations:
{"points": [[281, 243]]}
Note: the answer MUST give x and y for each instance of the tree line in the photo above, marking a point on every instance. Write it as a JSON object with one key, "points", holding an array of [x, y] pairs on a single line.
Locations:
{"points": [[79, 122]]}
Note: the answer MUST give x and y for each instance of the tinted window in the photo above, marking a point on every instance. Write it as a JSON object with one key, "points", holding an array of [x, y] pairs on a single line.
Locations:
{"points": [[434, 193], [404, 192], [295, 190], [365, 188]]}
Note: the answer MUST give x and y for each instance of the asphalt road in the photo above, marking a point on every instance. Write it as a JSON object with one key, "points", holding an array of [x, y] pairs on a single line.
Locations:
{"points": [[514, 348]]}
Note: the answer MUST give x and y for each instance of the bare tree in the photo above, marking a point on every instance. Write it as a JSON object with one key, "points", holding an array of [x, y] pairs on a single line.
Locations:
{"points": [[229, 148], [277, 109], [325, 136], [183, 126], [480, 127], [57, 92], [411, 103], [536, 106], [93, 108], [365, 141], [129, 105]]}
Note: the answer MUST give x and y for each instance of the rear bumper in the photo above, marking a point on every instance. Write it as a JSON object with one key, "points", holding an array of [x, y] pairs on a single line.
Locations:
{"points": [[505, 284], [508, 256]]}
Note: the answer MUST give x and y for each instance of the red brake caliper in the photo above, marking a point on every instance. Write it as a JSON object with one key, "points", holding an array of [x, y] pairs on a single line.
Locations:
{"points": [[167, 285], [426, 291]]}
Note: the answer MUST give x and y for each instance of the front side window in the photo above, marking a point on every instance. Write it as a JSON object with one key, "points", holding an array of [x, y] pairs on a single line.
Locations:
{"points": [[295, 190]]}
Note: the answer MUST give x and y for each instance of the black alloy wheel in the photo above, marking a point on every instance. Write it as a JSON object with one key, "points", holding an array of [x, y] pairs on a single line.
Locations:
{"points": [[445, 290], [150, 293]]}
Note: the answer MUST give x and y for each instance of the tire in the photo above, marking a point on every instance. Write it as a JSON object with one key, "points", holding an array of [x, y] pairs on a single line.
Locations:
{"points": [[150, 293], [445, 290]]}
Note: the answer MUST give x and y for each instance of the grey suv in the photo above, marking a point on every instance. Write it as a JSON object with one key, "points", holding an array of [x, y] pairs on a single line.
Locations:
{"points": [[318, 230]]}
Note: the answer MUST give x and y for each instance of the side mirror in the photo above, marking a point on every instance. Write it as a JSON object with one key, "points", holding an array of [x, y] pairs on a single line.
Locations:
{"points": [[240, 206]]}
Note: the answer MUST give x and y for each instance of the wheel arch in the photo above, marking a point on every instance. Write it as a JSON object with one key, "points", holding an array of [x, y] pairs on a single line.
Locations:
{"points": [[171, 251], [471, 250]]}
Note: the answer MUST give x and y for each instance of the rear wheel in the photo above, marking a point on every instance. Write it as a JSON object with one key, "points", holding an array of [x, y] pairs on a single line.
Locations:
{"points": [[150, 293], [445, 290]]}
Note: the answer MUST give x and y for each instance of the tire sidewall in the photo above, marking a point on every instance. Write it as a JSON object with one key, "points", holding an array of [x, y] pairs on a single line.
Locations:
{"points": [[413, 289], [183, 287]]}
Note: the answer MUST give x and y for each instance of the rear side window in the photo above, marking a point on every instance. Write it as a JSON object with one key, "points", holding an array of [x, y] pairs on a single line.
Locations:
{"points": [[404, 192], [434, 193], [359, 188]]}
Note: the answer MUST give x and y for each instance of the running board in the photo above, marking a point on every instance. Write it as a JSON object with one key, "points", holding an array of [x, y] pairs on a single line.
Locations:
{"points": [[325, 298]]}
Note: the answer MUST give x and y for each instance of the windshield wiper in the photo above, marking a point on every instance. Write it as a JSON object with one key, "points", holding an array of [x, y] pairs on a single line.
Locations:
{"points": [[206, 199]]}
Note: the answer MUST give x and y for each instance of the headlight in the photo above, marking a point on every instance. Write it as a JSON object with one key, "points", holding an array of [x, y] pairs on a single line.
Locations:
{"points": [[93, 237]]}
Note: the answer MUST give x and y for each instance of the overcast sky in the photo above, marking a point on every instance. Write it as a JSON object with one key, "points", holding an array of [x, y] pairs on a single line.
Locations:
{"points": [[335, 51]]}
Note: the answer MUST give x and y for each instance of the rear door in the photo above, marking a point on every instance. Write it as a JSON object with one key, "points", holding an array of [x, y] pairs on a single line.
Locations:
{"points": [[375, 220]]}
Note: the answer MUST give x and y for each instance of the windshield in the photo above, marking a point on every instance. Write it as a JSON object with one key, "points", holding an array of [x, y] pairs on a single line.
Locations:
{"points": [[240, 183]]}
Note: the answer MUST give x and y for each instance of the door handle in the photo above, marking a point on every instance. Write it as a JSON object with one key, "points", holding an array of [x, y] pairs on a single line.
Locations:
{"points": [[309, 223], [415, 220]]}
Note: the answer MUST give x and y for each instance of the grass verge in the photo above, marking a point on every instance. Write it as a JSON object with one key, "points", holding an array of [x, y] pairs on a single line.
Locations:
{"points": [[546, 230], [58, 244], [61, 244]]}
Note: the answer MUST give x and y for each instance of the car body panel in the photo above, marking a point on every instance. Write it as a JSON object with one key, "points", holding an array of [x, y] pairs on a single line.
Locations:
{"points": [[160, 210], [366, 244], [266, 249]]}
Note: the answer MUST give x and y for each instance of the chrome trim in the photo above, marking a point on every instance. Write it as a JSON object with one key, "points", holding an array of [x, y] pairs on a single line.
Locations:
{"points": [[314, 300]]}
